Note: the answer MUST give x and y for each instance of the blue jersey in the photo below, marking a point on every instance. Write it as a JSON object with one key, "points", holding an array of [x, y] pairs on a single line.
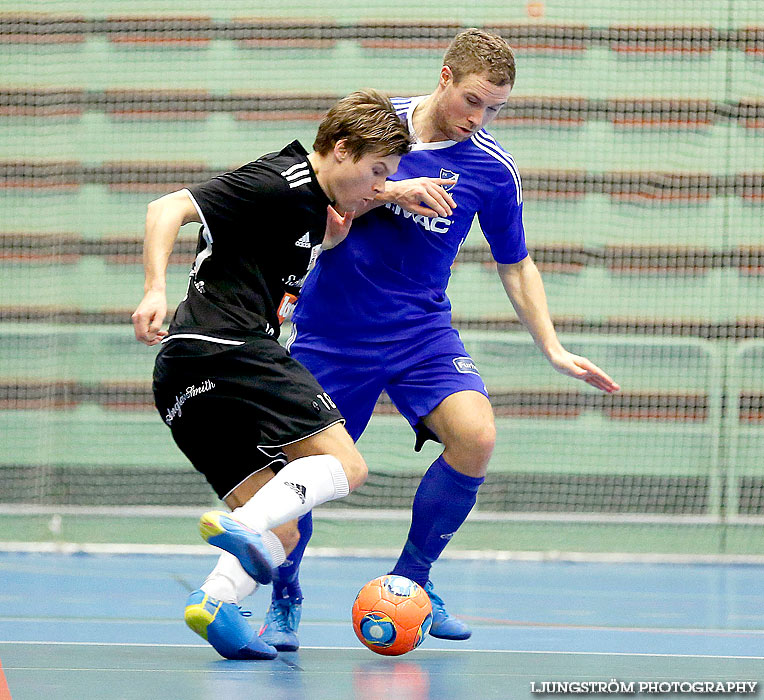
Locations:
{"points": [[388, 278]]}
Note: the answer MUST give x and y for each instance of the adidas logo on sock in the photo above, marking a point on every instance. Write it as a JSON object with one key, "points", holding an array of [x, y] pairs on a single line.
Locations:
{"points": [[299, 489]]}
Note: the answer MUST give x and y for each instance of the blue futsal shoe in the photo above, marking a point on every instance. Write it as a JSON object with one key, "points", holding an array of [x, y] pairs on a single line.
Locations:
{"points": [[220, 529], [444, 626], [281, 622], [224, 627]]}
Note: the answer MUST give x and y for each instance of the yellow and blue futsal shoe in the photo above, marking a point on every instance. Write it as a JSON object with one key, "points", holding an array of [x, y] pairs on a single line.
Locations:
{"points": [[280, 625], [224, 627], [444, 625], [220, 529]]}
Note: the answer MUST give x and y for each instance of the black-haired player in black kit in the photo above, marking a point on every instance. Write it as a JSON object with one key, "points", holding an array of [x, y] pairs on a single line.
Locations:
{"points": [[239, 407]]}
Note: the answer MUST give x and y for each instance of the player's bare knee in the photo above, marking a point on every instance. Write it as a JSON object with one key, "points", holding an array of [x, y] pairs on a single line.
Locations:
{"points": [[483, 441], [470, 451]]}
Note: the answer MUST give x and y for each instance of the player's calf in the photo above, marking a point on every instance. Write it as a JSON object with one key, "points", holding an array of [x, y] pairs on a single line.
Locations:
{"points": [[335, 442], [355, 470]]}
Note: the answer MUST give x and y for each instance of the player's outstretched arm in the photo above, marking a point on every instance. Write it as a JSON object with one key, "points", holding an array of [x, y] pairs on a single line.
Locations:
{"points": [[164, 218], [525, 290], [420, 195]]}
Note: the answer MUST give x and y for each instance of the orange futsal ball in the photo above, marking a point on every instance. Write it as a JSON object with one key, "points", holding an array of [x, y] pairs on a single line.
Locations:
{"points": [[392, 615]]}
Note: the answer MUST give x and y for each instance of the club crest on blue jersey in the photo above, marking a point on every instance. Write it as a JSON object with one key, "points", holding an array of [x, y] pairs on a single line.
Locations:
{"points": [[449, 175]]}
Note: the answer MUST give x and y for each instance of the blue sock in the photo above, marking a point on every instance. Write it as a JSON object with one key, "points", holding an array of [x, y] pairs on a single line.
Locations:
{"points": [[442, 503], [286, 578]]}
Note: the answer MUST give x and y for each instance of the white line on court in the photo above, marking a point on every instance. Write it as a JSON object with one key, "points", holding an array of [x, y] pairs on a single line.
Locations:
{"points": [[387, 552], [483, 625], [428, 649]]}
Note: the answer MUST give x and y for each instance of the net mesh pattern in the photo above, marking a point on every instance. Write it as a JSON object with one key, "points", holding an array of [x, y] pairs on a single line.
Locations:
{"points": [[638, 129]]}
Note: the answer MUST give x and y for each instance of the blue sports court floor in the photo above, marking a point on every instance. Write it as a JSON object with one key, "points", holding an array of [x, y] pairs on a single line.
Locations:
{"points": [[109, 626]]}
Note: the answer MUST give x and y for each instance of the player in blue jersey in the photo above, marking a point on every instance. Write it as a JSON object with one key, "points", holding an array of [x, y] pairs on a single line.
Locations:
{"points": [[374, 315]]}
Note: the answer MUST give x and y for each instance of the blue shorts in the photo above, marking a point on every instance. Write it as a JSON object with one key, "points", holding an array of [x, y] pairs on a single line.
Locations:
{"points": [[416, 374]]}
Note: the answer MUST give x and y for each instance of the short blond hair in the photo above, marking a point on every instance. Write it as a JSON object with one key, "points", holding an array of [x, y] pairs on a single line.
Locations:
{"points": [[475, 51], [367, 121]]}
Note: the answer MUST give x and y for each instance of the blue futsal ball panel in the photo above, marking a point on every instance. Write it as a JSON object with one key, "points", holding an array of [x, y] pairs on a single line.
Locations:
{"points": [[378, 629]]}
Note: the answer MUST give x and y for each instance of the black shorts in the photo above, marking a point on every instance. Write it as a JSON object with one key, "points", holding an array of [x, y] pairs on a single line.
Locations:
{"points": [[232, 404]]}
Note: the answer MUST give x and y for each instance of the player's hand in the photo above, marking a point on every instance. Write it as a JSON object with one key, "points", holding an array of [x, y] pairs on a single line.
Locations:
{"points": [[337, 227], [148, 318], [421, 195], [581, 368]]}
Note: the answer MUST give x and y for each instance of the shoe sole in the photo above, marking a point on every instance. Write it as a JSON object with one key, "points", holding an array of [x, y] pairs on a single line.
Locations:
{"points": [[282, 647], [452, 637], [252, 559]]}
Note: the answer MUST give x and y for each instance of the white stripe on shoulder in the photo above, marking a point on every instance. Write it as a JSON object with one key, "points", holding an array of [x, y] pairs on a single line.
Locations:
{"points": [[500, 153], [297, 175], [401, 105], [487, 144], [288, 171]]}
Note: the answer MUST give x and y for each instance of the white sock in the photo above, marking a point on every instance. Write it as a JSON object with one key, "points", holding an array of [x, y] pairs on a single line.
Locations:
{"points": [[296, 489], [274, 547], [230, 583]]}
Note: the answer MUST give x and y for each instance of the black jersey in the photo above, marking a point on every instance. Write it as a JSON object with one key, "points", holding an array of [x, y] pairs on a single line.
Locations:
{"points": [[262, 226]]}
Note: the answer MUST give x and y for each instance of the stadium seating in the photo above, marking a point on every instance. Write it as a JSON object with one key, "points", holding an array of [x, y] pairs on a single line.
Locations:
{"points": [[644, 195]]}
